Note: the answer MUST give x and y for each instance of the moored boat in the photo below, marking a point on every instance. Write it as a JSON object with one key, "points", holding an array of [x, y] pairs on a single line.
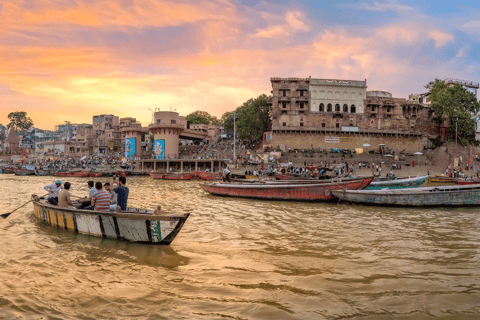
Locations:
{"points": [[42, 173], [441, 180], [302, 192], [426, 196], [121, 173], [25, 173], [95, 174], [135, 173], [209, 175], [397, 184], [72, 174], [464, 182], [178, 176], [135, 225]]}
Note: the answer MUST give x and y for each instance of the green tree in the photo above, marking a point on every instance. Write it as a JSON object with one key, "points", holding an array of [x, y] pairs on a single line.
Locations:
{"points": [[204, 117], [227, 121], [253, 118], [456, 104], [19, 121]]}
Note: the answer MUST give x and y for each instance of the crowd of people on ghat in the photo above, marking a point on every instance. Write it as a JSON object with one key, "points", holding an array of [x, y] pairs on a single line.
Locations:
{"points": [[101, 196]]}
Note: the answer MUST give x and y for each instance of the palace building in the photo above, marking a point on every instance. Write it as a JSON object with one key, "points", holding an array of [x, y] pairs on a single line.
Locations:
{"points": [[310, 112]]}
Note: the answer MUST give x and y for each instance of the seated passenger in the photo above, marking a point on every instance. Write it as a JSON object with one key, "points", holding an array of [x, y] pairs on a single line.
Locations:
{"points": [[53, 190], [64, 197], [101, 198]]}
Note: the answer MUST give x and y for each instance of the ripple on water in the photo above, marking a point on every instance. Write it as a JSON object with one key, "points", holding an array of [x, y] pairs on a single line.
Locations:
{"points": [[242, 259]]}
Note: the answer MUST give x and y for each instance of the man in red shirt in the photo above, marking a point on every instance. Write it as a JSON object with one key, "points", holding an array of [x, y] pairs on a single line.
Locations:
{"points": [[101, 199]]}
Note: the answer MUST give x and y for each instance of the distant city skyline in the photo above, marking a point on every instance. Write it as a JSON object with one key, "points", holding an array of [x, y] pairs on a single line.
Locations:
{"points": [[68, 61]]}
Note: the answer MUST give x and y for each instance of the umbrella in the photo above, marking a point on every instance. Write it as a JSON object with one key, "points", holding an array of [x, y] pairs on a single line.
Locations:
{"points": [[418, 153], [366, 145], [389, 155], [381, 145]]}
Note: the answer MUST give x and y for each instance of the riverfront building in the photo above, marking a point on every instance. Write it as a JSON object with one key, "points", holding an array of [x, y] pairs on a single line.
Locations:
{"points": [[328, 113]]}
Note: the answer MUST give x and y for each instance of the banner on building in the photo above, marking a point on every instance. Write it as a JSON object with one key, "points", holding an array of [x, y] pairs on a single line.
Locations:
{"points": [[159, 149], [332, 139], [130, 148], [358, 150]]}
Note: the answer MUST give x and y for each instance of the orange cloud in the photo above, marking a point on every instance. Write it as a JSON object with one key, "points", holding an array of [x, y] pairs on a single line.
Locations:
{"points": [[159, 13], [293, 23]]}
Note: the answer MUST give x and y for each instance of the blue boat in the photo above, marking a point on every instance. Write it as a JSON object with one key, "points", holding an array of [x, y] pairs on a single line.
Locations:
{"points": [[397, 184]]}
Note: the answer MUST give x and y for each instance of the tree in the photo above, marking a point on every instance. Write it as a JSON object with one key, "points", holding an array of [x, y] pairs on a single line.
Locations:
{"points": [[456, 104], [227, 120], [19, 121], [204, 117], [253, 118]]}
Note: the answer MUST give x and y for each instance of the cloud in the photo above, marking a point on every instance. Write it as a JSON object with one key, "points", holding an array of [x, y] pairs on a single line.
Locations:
{"points": [[293, 24], [440, 38], [382, 6]]}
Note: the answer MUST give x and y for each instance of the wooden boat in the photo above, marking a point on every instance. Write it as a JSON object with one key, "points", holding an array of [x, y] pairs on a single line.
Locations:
{"points": [[121, 173], [427, 196], [135, 225], [7, 171], [397, 184], [209, 175], [135, 173], [72, 174], [95, 174], [463, 182], [441, 180], [42, 173], [178, 176], [107, 174], [25, 172], [302, 192]]}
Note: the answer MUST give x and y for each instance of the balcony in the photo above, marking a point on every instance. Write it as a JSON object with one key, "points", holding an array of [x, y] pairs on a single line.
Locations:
{"points": [[301, 98], [284, 98]]}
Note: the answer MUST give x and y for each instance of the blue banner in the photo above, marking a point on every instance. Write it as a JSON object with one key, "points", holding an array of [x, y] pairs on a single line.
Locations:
{"points": [[130, 148], [159, 149]]}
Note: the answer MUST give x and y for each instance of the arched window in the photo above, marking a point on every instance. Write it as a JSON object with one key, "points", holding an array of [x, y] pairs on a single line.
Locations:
{"points": [[353, 109], [345, 108], [337, 108], [329, 107], [321, 107]]}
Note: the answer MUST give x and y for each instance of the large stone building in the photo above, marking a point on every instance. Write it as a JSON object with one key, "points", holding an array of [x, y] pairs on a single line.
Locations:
{"points": [[327, 113]]}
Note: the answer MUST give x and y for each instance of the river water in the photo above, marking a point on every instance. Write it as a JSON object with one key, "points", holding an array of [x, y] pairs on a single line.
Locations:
{"points": [[242, 259]]}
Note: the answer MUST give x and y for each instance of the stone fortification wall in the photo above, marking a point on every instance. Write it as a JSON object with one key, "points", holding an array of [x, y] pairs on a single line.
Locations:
{"points": [[328, 141]]}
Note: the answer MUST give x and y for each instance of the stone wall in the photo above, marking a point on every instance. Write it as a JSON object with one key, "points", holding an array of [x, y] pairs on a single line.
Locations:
{"points": [[349, 141]]}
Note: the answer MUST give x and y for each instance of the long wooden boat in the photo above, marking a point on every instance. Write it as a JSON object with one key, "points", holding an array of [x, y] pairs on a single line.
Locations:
{"points": [[25, 173], [463, 182], [135, 225], [441, 180], [95, 174], [72, 174], [7, 171], [302, 192], [426, 196], [209, 175], [42, 173], [397, 184], [178, 176]]}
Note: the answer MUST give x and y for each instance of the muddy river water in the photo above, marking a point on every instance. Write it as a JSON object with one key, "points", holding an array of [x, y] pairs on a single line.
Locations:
{"points": [[242, 259]]}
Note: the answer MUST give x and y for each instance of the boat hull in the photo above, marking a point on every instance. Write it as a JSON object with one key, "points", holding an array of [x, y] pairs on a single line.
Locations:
{"points": [[72, 174], [439, 180], [209, 175], [135, 225], [178, 176], [298, 192], [25, 173], [397, 184], [419, 197]]}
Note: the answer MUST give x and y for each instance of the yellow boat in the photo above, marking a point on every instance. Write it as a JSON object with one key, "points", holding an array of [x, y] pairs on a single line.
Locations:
{"points": [[441, 180]]}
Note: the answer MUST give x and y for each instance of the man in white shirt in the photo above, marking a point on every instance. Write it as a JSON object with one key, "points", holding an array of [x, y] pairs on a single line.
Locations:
{"points": [[226, 174], [53, 190]]}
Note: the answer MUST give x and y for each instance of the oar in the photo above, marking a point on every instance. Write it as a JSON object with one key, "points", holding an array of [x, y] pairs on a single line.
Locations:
{"points": [[5, 215]]}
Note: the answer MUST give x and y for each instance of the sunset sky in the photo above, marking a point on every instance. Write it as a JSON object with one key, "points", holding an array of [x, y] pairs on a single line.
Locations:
{"points": [[69, 60]]}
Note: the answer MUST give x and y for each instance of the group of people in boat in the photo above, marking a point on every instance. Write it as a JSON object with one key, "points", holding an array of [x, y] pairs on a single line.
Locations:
{"points": [[101, 197]]}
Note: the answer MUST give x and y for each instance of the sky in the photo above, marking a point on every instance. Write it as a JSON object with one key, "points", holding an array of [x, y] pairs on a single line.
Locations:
{"points": [[69, 60]]}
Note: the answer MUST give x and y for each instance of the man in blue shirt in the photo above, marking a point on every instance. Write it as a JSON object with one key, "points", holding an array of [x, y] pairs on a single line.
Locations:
{"points": [[122, 193]]}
